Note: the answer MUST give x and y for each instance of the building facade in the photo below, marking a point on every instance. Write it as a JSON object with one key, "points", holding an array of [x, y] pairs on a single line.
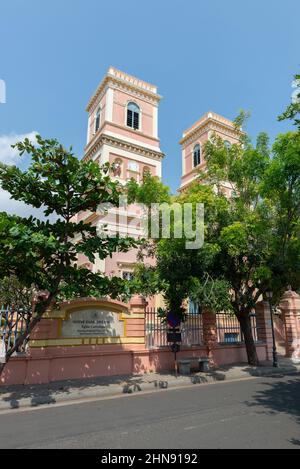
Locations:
{"points": [[123, 131]]}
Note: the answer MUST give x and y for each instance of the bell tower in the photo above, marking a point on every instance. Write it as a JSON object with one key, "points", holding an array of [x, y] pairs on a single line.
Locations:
{"points": [[193, 141], [123, 125], [123, 131]]}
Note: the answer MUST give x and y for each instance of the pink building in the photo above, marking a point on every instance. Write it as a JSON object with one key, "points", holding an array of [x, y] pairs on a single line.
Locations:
{"points": [[194, 139], [123, 130]]}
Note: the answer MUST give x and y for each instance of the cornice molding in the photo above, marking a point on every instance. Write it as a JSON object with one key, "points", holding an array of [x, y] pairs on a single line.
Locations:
{"points": [[121, 85], [210, 125], [123, 145]]}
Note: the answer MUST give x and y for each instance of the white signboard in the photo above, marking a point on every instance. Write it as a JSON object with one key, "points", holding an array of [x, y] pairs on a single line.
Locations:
{"points": [[93, 323]]}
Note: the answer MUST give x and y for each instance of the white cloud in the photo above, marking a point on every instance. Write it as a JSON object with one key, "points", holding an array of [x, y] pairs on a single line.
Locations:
{"points": [[15, 207], [10, 155]]}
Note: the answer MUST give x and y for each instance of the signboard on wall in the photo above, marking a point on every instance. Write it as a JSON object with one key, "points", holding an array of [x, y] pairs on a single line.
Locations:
{"points": [[93, 322]]}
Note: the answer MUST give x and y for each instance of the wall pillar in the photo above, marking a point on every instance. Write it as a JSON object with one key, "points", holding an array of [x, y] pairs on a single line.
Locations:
{"points": [[209, 333], [138, 306], [290, 307], [264, 326]]}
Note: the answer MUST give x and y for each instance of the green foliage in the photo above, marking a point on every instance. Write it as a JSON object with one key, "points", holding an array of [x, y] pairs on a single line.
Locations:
{"points": [[212, 294], [151, 191], [251, 239], [147, 280], [12, 292], [44, 253], [282, 189], [292, 112]]}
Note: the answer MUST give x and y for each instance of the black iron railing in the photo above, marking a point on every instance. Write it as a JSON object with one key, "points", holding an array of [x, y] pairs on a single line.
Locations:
{"points": [[156, 330], [229, 330]]}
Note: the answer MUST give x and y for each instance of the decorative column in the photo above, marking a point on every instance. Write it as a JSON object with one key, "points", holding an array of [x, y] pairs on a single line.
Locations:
{"points": [[209, 333], [264, 326], [290, 307]]}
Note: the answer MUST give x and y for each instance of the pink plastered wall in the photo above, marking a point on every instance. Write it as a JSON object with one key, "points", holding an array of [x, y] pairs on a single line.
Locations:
{"points": [[189, 153], [128, 132], [89, 362], [113, 265], [125, 171], [121, 99]]}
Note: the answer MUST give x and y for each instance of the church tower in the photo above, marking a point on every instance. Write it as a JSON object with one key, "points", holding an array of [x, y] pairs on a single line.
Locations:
{"points": [[193, 141], [123, 131]]}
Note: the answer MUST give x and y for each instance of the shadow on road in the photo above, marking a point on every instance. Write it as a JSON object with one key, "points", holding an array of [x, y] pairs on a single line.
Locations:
{"points": [[280, 397]]}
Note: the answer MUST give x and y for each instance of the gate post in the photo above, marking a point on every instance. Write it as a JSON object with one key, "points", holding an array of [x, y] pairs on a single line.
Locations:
{"points": [[290, 307], [138, 306], [264, 326], [209, 333]]}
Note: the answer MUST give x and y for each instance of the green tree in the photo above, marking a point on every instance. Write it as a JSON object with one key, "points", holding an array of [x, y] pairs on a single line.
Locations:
{"points": [[251, 238], [44, 254], [257, 244]]}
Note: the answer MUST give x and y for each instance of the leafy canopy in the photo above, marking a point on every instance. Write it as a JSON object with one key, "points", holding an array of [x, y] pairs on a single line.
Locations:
{"points": [[44, 253]]}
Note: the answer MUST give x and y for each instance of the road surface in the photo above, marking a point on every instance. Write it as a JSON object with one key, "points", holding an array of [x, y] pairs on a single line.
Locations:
{"points": [[255, 413]]}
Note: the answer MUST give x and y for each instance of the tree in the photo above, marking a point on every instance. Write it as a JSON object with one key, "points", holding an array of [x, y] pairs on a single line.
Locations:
{"points": [[44, 254], [178, 270], [251, 238], [282, 187], [258, 244]]}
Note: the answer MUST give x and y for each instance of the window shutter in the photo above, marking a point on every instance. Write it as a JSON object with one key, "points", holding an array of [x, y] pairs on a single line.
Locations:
{"points": [[135, 120], [129, 118], [197, 155], [97, 122]]}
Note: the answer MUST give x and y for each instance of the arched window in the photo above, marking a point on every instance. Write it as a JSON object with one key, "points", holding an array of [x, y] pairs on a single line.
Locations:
{"points": [[97, 119], [197, 155], [133, 116], [227, 144]]}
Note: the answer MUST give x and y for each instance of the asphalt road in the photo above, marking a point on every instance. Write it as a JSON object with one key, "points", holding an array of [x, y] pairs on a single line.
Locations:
{"points": [[257, 413]]}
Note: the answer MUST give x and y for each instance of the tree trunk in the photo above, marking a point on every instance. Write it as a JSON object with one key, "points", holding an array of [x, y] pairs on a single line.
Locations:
{"points": [[34, 321], [245, 323], [20, 341]]}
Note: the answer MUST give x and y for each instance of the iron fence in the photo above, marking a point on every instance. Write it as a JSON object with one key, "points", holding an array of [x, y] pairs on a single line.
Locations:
{"points": [[229, 329], [156, 330], [13, 323]]}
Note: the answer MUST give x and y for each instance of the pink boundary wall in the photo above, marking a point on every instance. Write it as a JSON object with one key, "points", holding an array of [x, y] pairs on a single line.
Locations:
{"points": [[54, 363]]}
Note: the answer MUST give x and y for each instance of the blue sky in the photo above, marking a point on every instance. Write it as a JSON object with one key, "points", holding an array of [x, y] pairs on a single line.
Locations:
{"points": [[217, 55]]}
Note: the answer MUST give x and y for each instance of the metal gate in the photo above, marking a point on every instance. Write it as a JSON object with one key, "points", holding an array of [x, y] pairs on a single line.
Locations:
{"points": [[156, 330], [13, 323]]}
